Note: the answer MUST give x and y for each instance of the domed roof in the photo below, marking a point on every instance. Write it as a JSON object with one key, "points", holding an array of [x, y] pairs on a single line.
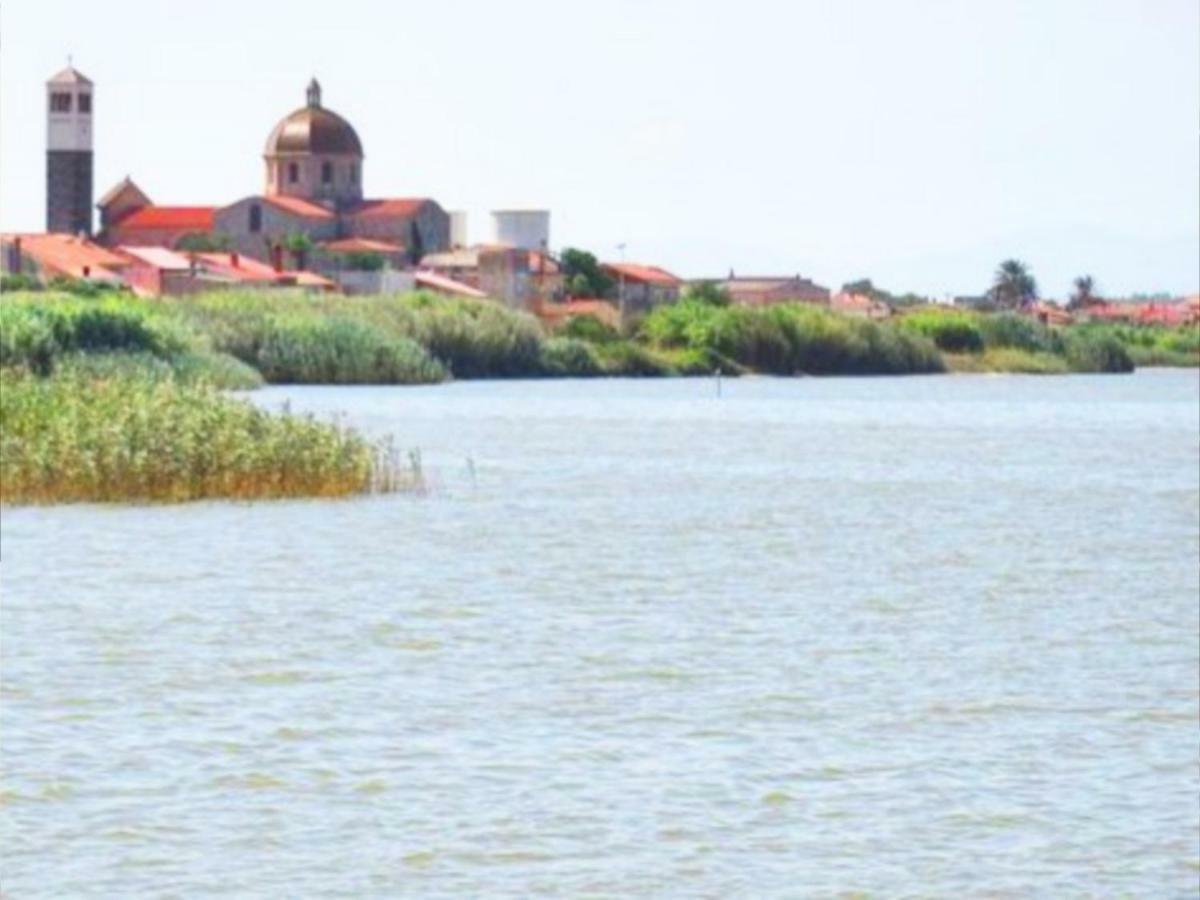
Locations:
{"points": [[313, 129]]}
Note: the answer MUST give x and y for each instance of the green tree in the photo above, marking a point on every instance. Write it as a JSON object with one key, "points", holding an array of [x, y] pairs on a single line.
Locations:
{"points": [[583, 274], [1013, 286], [299, 245]]}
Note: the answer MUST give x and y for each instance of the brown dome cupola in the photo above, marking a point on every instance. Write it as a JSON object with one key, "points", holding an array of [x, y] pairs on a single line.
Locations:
{"points": [[314, 153]]}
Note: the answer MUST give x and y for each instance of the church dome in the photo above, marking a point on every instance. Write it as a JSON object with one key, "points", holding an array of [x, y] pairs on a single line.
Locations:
{"points": [[313, 129]]}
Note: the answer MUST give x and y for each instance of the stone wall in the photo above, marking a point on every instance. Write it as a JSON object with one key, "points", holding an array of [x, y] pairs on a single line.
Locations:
{"points": [[276, 224]]}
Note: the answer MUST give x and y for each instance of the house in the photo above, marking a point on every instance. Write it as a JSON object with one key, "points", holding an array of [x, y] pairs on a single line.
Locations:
{"points": [[60, 255], [642, 287], [763, 290], [859, 305], [515, 276]]}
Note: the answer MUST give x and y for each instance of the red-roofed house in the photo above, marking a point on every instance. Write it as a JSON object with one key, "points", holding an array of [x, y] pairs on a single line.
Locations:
{"points": [[763, 290], [65, 255], [641, 287], [859, 305]]}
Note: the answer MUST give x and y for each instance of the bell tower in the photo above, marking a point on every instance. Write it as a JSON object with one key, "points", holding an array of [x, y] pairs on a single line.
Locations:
{"points": [[69, 153]]}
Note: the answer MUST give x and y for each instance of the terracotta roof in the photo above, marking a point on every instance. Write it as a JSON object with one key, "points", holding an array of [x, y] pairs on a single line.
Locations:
{"points": [[462, 258], [70, 75], [191, 218], [67, 254], [312, 279], [647, 274], [402, 207], [300, 207], [158, 257], [598, 309], [447, 285], [361, 245], [238, 266], [119, 188]]}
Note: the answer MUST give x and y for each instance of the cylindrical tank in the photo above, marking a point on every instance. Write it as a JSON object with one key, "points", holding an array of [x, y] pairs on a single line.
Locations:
{"points": [[526, 229], [458, 228]]}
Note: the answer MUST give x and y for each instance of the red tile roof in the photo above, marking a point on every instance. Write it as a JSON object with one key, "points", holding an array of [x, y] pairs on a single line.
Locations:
{"points": [[361, 245], [603, 310], [191, 218], [238, 266], [66, 254], [401, 207], [300, 207], [641, 273], [446, 285]]}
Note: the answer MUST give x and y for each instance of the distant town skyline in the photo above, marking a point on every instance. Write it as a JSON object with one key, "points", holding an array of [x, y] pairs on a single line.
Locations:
{"points": [[916, 145]]}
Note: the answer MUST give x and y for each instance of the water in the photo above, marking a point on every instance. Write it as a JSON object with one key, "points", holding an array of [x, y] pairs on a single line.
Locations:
{"points": [[926, 636]]}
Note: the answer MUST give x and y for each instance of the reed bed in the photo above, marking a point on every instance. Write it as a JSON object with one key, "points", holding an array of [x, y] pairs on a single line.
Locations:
{"points": [[78, 437], [789, 339]]}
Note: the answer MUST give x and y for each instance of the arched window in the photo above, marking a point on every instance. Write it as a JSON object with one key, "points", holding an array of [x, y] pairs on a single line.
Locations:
{"points": [[255, 218], [293, 173], [326, 173]]}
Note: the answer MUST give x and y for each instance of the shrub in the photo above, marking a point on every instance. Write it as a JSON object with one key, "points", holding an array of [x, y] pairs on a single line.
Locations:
{"points": [[19, 281], [952, 331], [570, 357], [1022, 332], [1097, 353], [340, 351], [589, 328]]}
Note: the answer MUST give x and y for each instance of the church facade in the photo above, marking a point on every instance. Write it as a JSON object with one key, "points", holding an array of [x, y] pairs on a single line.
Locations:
{"points": [[312, 189]]}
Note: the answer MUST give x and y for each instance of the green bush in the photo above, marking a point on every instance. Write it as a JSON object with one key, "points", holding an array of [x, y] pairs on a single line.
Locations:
{"points": [[952, 330], [589, 328], [1097, 353], [787, 339], [34, 333], [1021, 332], [18, 281], [570, 358], [340, 351]]}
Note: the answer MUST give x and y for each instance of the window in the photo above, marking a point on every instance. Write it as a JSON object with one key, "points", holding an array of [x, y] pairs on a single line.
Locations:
{"points": [[326, 173], [255, 218], [293, 173], [60, 102], [354, 173], [85, 103]]}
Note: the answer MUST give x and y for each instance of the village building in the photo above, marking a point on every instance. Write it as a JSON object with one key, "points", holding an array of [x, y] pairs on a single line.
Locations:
{"points": [[312, 198], [641, 287], [860, 306], [764, 290]]}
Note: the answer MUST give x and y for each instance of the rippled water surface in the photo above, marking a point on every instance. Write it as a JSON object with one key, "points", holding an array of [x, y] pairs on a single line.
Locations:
{"points": [[926, 636]]}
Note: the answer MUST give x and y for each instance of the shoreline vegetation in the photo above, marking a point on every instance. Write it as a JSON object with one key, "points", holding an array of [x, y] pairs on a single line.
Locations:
{"points": [[116, 398]]}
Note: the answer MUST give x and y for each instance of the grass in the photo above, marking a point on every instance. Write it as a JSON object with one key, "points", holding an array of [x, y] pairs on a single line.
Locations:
{"points": [[81, 436]]}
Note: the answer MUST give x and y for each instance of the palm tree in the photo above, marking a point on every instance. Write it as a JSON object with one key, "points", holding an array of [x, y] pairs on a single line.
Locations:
{"points": [[1085, 287], [1013, 287]]}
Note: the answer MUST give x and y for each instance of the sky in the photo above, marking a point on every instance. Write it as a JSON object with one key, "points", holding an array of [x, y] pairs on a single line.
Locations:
{"points": [[917, 143]]}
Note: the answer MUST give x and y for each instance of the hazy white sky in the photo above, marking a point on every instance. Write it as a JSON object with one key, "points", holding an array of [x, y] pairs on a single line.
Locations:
{"points": [[915, 143]]}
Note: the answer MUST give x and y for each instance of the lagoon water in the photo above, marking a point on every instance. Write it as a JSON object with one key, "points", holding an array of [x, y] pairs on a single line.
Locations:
{"points": [[885, 637]]}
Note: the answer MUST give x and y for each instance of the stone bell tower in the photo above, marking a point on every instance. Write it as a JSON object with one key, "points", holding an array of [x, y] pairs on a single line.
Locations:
{"points": [[69, 153]]}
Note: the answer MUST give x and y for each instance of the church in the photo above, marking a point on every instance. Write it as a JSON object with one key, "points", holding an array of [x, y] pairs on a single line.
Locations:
{"points": [[313, 189]]}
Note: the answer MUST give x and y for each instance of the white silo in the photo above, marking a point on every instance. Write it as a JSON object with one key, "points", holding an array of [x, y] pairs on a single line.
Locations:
{"points": [[526, 229], [458, 228]]}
